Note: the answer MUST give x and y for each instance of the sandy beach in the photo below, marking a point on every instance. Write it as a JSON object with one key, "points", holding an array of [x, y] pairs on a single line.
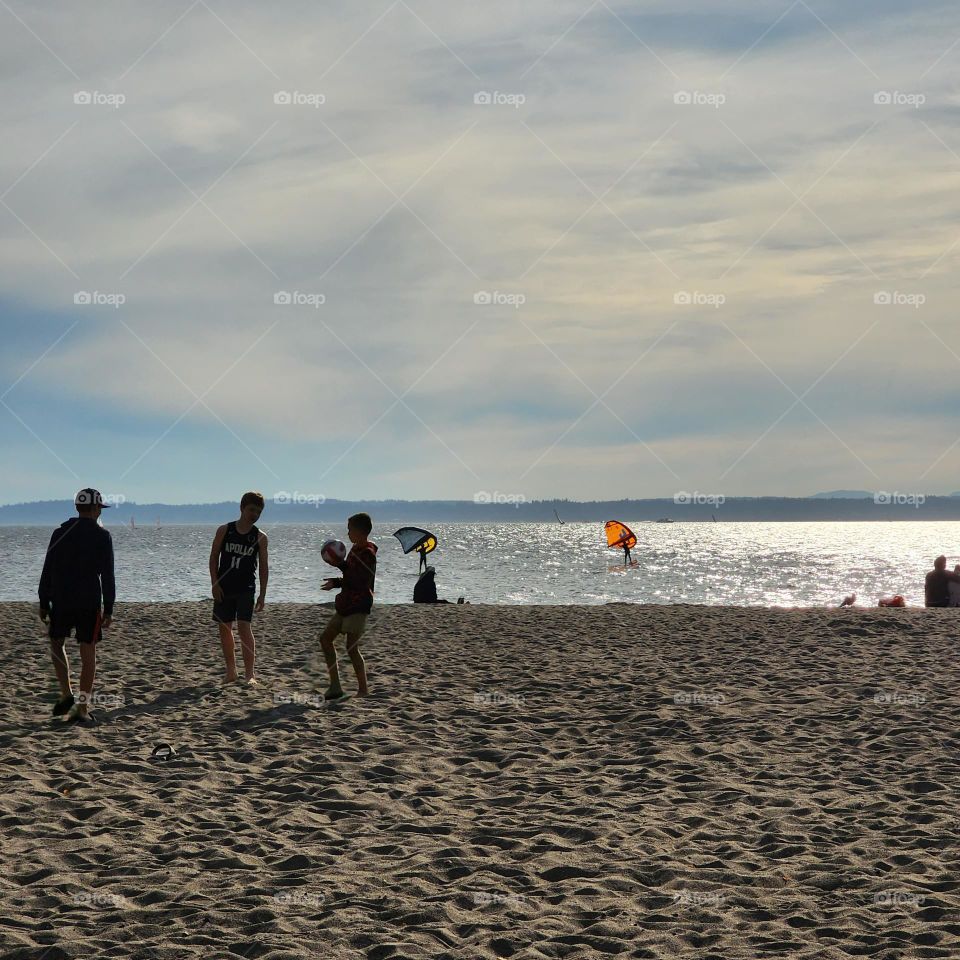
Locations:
{"points": [[522, 781]]}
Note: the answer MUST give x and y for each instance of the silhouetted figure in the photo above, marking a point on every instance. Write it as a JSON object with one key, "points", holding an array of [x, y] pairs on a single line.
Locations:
{"points": [[936, 587], [425, 590]]}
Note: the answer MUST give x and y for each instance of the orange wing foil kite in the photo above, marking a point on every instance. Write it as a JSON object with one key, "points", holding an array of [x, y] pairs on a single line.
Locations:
{"points": [[619, 535]]}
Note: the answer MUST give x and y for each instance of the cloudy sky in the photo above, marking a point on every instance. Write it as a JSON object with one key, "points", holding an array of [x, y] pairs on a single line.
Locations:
{"points": [[683, 246]]}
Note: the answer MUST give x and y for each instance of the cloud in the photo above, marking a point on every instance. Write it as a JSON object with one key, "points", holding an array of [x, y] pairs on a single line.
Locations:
{"points": [[399, 199]]}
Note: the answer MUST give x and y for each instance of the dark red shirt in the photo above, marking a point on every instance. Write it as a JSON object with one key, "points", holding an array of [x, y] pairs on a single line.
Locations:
{"points": [[357, 583]]}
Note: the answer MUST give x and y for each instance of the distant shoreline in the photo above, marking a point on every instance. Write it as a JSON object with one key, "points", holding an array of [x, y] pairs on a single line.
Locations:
{"points": [[687, 508]]}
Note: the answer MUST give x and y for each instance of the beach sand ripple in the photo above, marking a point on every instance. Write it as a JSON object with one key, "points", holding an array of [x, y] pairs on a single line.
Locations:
{"points": [[555, 782]]}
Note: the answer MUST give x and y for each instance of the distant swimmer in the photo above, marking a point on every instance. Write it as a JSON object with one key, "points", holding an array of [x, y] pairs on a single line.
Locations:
{"points": [[936, 587]]}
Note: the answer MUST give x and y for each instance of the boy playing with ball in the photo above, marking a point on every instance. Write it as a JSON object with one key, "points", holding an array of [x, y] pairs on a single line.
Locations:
{"points": [[352, 604]]}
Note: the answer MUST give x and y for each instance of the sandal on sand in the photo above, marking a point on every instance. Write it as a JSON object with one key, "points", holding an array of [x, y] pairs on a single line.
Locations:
{"points": [[63, 705], [84, 720]]}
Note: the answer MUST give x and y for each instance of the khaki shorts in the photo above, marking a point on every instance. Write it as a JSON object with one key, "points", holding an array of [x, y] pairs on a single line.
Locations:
{"points": [[354, 624]]}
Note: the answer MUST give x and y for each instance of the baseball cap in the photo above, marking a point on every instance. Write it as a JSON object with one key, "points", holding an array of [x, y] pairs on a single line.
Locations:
{"points": [[88, 497]]}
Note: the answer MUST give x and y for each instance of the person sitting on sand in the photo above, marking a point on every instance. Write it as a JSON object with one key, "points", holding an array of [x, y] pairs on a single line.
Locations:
{"points": [[953, 588], [425, 589], [936, 588], [77, 577], [237, 548], [352, 605]]}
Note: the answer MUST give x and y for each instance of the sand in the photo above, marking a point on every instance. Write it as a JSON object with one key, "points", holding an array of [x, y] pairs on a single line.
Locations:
{"points": [[528, 782]]}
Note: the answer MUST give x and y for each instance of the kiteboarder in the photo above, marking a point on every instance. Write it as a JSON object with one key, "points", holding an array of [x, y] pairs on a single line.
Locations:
{"points": [[620, 535], [415, 538]]}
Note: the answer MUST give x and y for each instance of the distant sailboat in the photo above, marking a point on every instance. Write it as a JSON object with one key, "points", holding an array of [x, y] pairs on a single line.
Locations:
{"points": [[158, 523], [133, 523], [557, 515]]}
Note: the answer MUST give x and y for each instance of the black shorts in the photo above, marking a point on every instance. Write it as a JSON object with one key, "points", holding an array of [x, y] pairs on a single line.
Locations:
{"points": [[239, 607], [87, 623]]}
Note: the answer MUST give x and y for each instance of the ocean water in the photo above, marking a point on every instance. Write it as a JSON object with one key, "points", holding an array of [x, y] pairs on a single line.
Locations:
{"points": [[753, 564]]}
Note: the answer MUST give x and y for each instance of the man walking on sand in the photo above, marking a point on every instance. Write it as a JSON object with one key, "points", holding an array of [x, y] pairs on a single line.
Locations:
{"points": [[77, 578]]}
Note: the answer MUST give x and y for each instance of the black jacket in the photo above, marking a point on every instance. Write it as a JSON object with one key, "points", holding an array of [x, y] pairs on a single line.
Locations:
{"points": [[78, 569]]}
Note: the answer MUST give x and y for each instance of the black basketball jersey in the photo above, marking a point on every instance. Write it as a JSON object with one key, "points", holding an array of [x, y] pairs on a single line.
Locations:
{"points": [[237, 570]]}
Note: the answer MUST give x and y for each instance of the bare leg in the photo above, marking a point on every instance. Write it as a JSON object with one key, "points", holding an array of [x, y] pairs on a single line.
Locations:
{"points": [[61, 665], [359, 667], [88, 670], [248, 647], [229, 655], [330, 655]]}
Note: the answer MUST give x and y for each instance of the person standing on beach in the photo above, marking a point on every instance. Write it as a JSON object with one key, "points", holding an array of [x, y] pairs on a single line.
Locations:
{"points": [[78, 578], [237, 548], [352, 605], [936, 587]]}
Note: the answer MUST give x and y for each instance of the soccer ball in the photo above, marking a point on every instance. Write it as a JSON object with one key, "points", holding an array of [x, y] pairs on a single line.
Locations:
{"points": [[333, 552]]}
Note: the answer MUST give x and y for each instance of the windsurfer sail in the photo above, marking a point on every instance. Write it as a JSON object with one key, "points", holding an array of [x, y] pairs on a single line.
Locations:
{"points": [[415, 538], [621, 537]]}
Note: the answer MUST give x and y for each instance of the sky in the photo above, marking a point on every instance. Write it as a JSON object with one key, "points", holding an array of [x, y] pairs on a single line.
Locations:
{"points": [[435, 250]]}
